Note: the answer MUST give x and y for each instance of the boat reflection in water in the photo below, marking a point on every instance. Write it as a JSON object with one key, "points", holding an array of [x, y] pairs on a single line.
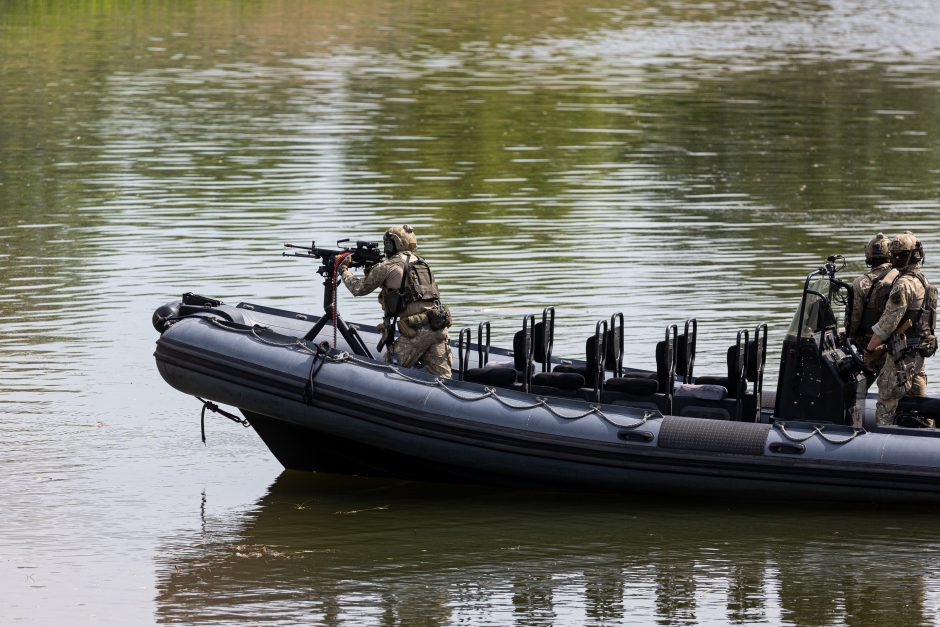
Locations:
{"points": [[323, 549]]}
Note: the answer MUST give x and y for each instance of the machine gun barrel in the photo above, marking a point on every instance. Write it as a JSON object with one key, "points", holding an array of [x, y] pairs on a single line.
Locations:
{"points": [[365, 254], [307, 248]]}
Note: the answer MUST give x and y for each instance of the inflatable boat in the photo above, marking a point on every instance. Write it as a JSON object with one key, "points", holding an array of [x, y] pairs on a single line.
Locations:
{"points": [[322, 399]]}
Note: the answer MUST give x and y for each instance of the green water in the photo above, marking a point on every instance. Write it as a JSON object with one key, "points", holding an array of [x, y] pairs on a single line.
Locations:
{"points": [[663, 159]]}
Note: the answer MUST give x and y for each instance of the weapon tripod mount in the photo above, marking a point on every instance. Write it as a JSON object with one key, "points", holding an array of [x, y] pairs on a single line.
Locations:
{"points": [[349, 333]]}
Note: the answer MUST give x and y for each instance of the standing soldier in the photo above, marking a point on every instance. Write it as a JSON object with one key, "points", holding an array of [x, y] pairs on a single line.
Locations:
{"points": [[869, 296], [411, 303], [907, 326]]}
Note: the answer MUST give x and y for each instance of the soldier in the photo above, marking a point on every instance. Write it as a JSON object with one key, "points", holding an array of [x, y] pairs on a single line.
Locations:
{"points": [[411, 303], [912, 305], [869, 296]]}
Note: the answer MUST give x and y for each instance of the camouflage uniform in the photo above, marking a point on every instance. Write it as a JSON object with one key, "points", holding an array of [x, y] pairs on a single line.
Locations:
{"points": [[903, 371], [869, 295], [430, 347]]}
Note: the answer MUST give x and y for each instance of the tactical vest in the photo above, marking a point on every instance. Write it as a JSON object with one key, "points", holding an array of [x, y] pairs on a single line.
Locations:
{"points": [[417, 284], [876, 299], [922, 314]]}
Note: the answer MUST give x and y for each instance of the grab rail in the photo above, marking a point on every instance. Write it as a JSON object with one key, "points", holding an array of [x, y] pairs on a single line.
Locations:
{"points": [[528, 327], [600, 356], [548, 337], [615, 343], [483, 350], [741, 355], [670, 356], [691, 339], [760, 350], [463, 354]]}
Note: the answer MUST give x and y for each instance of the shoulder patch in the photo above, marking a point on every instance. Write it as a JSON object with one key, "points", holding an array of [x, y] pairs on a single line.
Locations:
{"points": [[896, 297]]}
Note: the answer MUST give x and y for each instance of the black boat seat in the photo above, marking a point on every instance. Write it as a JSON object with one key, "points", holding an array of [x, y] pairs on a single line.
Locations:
{"points": [[701, 405], [538, 346], [495, 375], [560, 380], [661, 369], [509, 374], [710, 396], [636, 386], [921, 405], [591, 364], [567, 384], [645, 390], [731, 382], [643, 386], [527, 352], [587, 371], [557, 383]]}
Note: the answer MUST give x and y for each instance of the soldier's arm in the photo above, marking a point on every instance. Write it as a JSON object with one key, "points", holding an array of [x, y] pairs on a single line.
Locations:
{"points": [[894, 311], [359, 286]]}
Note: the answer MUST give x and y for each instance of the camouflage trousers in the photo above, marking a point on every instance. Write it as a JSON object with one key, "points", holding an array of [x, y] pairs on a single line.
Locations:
{"points": [[897, 379], [429, 347]]}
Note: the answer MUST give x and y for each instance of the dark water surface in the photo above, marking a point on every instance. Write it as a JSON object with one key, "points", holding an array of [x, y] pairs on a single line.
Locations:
{"points": [[664, 159]]}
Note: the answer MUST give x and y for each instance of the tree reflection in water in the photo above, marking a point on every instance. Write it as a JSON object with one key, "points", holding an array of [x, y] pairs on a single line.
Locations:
{"points": [[323, 550]]}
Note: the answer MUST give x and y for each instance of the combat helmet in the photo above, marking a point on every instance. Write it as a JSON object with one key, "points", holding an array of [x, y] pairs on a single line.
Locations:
{"points": [[399, 239], [906, 250], [878, 250]]}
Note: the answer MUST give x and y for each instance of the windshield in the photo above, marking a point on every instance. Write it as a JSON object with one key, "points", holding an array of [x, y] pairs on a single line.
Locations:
{"points": [[821, 297]]}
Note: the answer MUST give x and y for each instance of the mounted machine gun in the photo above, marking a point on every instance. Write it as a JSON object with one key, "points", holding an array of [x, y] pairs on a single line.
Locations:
{"points": [[364, 255]]}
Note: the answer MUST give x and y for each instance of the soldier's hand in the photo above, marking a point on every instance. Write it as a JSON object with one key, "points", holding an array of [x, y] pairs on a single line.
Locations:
{"points": [[342, 264], [872, 357]]}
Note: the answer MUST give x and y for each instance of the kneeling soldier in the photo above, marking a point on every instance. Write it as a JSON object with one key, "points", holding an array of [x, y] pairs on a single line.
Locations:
{"points": [[411, 303]]}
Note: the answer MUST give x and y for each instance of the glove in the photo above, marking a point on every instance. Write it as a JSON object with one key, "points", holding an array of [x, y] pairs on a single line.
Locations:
{"points": [[872, 357], [343, 264]]}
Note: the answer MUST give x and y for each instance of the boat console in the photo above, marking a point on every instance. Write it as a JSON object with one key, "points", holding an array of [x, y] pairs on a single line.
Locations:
{"points": [[820, 371]]}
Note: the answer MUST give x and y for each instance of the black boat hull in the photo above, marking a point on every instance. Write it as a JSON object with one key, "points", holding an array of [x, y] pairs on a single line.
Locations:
{"points": [[351, 415]]}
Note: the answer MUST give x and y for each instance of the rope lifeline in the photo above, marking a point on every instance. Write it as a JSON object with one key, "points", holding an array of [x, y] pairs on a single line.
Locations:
{"points": [[253, 330], [490, 392]]}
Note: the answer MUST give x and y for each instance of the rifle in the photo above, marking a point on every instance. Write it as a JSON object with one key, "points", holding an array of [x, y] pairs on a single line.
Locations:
{"points": [[897, 346], [365, 254], [898, 341]]}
